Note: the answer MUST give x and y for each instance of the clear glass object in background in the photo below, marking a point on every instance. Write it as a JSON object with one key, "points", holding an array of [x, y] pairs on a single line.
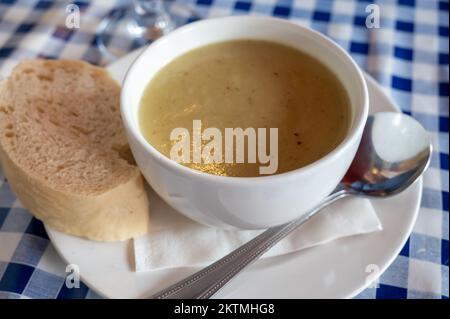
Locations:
{"points": [[138, 23]]}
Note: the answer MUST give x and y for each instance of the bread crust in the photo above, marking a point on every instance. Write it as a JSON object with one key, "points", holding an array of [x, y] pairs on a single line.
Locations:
{"points": [[118, 213]]}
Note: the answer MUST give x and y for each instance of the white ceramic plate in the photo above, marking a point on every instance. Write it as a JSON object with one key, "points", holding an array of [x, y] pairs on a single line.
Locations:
{"points": [[340, 269]]}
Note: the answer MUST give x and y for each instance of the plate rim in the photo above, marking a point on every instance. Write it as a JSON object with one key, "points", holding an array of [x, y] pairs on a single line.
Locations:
{"points": [[131, 56]]}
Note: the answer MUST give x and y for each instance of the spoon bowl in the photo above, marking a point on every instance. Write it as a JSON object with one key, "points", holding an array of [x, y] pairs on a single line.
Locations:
{"points": [[394, 151]]}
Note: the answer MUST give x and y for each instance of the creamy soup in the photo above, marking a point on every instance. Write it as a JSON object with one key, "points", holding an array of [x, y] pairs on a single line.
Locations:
{"points": [[248, 84]]}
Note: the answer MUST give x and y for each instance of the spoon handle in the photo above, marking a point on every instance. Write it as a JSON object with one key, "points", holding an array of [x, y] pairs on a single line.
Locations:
{"points": [[208, 281]]}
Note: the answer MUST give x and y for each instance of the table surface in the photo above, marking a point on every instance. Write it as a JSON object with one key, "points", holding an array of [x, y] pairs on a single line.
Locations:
{"points": [[408, 55]]}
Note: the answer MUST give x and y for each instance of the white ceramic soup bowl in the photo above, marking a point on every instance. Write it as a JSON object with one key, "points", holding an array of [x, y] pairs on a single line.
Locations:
{"points": [[242, 202]]}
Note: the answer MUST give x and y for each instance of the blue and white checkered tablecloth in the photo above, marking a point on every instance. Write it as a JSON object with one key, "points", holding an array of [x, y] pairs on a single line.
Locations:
{"points": [[408, 55]]}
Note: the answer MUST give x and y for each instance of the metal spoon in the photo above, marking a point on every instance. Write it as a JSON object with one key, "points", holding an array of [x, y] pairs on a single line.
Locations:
{"points": [[394, 151]]}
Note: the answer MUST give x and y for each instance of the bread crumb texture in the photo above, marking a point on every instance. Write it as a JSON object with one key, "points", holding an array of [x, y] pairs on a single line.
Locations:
{"points": [[61, 130]]}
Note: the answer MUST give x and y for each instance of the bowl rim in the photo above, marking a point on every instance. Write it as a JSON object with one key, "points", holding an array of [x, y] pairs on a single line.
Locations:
{"points": [[170, 164]]}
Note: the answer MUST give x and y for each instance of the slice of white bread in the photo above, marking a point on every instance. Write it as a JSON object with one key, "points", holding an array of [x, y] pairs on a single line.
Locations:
{"points": [[64, 151]]}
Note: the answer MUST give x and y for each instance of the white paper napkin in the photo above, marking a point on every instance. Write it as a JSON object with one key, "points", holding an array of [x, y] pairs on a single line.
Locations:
{"points": [[176, 241]]}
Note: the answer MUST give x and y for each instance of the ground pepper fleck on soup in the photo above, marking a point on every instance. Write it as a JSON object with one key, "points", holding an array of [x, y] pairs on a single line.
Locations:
{"points": [[249, 83]]}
